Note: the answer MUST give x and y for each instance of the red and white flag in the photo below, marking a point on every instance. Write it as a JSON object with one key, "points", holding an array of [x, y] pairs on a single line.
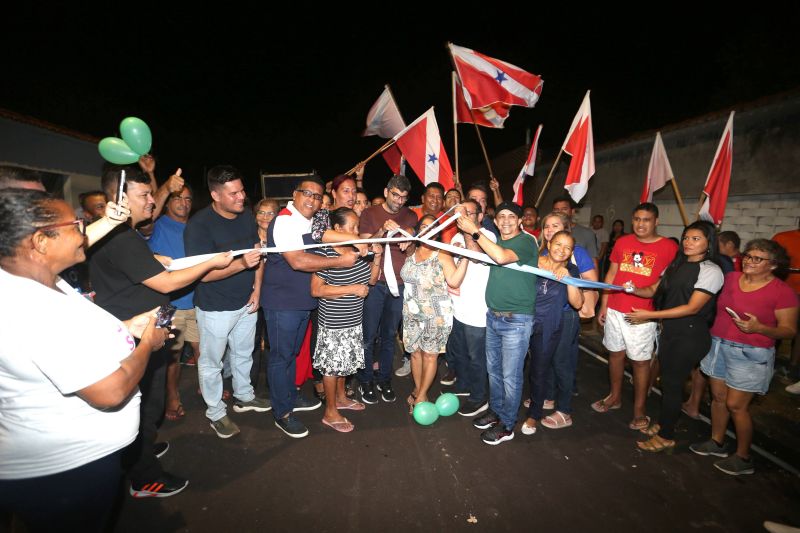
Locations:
{"points": [[422, 147], [659, 172], [527, 170], [491, 116], [385, 121], [489, 81], [580, 145], [719, 178]]}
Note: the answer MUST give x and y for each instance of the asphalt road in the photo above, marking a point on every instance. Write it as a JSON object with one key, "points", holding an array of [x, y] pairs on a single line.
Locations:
{"points": [[391, 474]]}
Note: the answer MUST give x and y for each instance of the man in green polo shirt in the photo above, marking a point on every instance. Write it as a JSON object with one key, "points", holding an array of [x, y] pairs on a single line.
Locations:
{"points": [[510, 297]]}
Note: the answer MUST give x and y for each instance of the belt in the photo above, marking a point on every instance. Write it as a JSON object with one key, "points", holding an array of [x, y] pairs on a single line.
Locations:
{"points": [[499, 314]]}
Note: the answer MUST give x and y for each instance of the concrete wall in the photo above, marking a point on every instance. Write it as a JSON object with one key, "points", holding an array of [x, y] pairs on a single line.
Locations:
{"points": [[35, 147]]}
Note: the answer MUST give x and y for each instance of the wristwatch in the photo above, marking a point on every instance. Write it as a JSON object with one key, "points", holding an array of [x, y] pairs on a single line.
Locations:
{"points": [[475, 236]]}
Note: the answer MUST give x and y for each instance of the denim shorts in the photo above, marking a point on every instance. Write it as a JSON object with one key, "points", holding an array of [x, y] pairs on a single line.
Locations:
{"points": [[742, 367]]}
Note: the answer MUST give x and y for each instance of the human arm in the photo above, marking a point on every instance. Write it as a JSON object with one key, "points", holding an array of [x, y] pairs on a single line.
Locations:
{"points": [[114, 216], [304, 262], [500, 255], [255, 297], [786, 327], [696, 302], [320, 289], [166, 282], [334, 236], [494, 185], [610, 275], [115, 388], [375, 267], [454, 275]]}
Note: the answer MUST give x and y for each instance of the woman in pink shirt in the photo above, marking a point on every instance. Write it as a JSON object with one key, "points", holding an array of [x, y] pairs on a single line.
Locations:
{"points": [[754, 310]]}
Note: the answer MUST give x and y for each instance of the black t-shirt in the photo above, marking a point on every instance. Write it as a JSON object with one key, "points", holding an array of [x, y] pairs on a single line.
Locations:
{"points": [[702, 276], [208, 232], [118, 265]]}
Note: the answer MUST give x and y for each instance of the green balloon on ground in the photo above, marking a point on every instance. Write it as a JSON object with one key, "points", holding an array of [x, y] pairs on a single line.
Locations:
{"points": [[447, 404], [425, 413], [137, 134], [116, 151]]}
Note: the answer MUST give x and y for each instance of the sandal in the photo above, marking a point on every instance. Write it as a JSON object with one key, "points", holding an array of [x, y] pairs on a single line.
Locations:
{"points": [[601, 406], [353, 406], [557, 420], [656, 444], [651, 431], [342, 426], [640, 423], [412, 402]]}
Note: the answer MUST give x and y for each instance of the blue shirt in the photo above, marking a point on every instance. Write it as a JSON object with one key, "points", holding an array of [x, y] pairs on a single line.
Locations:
{"points": [[167, 239]]}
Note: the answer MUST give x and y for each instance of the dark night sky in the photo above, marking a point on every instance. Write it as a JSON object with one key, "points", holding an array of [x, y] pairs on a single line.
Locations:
{"points": [[288, 92]]}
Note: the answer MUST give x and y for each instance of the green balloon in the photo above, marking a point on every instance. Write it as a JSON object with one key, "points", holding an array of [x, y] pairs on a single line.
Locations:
{"points": [[425, 413], [447, 404], [117, 151], [137, 134]]}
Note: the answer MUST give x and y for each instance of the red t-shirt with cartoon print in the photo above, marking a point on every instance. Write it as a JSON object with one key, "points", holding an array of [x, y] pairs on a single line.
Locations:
{"points": [[643, 263]]}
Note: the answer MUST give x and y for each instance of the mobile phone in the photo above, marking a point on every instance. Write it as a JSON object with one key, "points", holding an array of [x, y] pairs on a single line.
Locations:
{"points": [[121, 187], [732, 313], [164, 315]]}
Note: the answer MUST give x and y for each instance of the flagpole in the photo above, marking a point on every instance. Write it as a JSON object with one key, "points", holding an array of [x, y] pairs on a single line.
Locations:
{"points": [[700, 205], [547, 181], [379, 151], [472, 116], [455, 130], [680, 201]]}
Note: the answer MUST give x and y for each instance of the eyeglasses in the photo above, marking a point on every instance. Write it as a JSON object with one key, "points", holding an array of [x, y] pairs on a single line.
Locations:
{"points": [[471, 213], [310, 194], [265, 213], [754, 258], [399, 197], [78, 222], [187, 199]]}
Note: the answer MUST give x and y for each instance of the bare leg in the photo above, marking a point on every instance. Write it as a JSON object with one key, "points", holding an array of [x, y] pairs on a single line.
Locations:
{"points": [[738, 404], [655, 369], [416, 373], [641, 384], [331, 412], [429, 368], [173, 403], [719, 409], [341, 391], [616, 371], [692, 405]]}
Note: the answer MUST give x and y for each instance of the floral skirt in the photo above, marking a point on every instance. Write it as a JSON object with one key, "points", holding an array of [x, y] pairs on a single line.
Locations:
{"points": [[339, 352]]}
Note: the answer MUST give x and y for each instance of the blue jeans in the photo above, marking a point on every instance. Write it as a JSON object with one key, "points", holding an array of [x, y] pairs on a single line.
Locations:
{"points": [[507, 341], [561, 378], [466, 347], [544, 341], [286, 330], [218, 329], [383, 312]]}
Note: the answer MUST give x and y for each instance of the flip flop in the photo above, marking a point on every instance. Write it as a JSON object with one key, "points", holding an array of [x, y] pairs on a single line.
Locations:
{"points": [[175, 414], [344, 426], [640, 423], [353, 406], [556, 421], [602, 407]]}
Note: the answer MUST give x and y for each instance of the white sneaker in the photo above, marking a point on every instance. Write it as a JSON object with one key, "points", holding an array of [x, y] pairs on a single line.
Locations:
{"points": [[404, 370], [793, 388]]}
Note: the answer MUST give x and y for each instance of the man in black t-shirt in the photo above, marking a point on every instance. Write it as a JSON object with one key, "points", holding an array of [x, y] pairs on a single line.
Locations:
{"points": [[226, 300], [128, 281]]}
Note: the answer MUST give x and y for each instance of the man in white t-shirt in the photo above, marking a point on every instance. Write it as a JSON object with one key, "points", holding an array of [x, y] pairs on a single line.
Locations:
{"points": [[467, 342]]}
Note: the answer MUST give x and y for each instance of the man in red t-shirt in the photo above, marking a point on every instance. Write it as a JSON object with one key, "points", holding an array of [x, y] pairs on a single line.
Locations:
{"points": [[640, 258]]}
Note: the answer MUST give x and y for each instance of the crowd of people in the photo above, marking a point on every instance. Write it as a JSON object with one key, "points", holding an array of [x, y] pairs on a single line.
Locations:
{"points": [[333, 314]]}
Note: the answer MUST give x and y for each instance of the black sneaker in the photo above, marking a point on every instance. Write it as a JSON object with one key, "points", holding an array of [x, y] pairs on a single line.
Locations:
{"points": [[710, 447], [497, 434], [165, 486], [303, 404], [735, 465], [292, 427], [449, 378], [160, 448], [473, 408], [387, 394], [486, 421], [367, 391]]}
